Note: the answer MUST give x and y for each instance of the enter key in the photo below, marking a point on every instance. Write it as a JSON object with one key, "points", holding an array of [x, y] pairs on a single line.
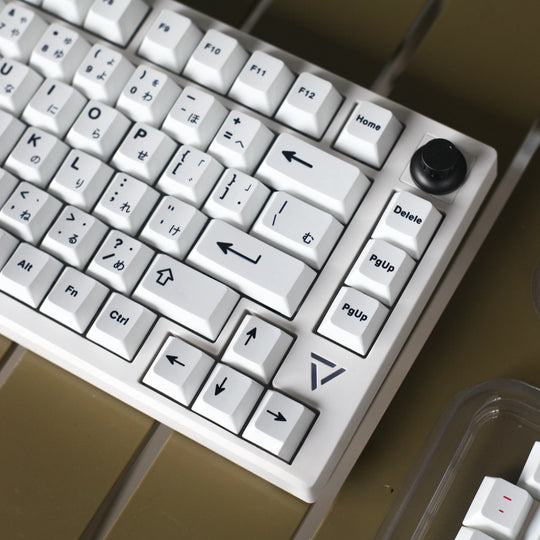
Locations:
{"points": [[256, 269]]}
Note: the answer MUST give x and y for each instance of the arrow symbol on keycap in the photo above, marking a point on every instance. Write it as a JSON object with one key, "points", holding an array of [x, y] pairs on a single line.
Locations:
{"points": [[164, 276], [173, 359], [277, 417], [252, 334], [226, 247], [220, 387], [290, 155]]}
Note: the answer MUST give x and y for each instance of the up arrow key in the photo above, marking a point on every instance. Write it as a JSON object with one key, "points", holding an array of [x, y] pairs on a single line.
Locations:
{"points": [[316, 176]]}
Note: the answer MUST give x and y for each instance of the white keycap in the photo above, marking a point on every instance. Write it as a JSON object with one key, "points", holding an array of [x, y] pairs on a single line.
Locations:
{"points": [[54, 107], [408, 222], [8, 243], [530, 475], [59, 52], [121, 326], [178, 370], [279, 425], [237, 198], [257, 348], [116, 20], [310, 105], [7, 184], [216, 61], [148, 96], [126, 203], [369, 134], [144, 153], [74, 299], [533, 528], [227, 398], [190, 175], [381, 271], [499, 508], [73, 11], [311, 174], [29, 274], [29, 212], [262, 83], [195, 118], [173, 227], [81, 179], [103, 74], [298, 228], [11, 129], [74, 237], [20, 30], [18, 83], [98, 130], [241, 142], [120, 261], [465, 533], [186, 296], [170, 41], [249, 265], [37, 156], [353, 320]]}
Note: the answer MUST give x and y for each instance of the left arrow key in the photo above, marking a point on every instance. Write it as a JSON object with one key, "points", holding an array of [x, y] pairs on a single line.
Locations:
{"points": [[178, 370]]}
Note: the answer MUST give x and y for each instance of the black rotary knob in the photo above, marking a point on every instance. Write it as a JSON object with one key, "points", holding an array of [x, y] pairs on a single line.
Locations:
{"points": [[438, 167]]}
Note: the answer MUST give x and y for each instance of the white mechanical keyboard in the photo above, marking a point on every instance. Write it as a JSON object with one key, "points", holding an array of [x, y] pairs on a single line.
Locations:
{"points": [[502, 510], [222, 235]]}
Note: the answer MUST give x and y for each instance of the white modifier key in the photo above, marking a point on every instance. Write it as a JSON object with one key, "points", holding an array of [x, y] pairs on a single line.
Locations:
{"points": [[249, 265], [408, 222], [122, 326], [29, 274], [369, 134], [74, 299], [186, 296]]}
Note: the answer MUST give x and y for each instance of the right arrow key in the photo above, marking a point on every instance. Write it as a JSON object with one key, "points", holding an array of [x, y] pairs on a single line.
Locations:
{"points": [[279, 425]]}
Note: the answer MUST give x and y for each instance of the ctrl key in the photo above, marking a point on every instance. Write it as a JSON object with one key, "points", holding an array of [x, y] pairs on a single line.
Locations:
{"points": [[121, 326], [353, 320]]}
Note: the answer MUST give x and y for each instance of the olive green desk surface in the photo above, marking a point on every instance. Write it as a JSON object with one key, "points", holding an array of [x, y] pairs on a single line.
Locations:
{"points": [[64, 444]]}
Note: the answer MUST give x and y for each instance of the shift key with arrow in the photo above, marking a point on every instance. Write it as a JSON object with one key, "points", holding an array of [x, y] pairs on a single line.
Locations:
{"points": [[320, 178], [249, 265]]}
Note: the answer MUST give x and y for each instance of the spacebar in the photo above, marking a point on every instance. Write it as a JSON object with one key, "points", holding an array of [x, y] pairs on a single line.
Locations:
{"points": [[256, 269]]}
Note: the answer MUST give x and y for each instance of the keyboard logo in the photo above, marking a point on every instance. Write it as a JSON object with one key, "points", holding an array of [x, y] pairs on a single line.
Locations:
{"points": [[315, 381]]}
